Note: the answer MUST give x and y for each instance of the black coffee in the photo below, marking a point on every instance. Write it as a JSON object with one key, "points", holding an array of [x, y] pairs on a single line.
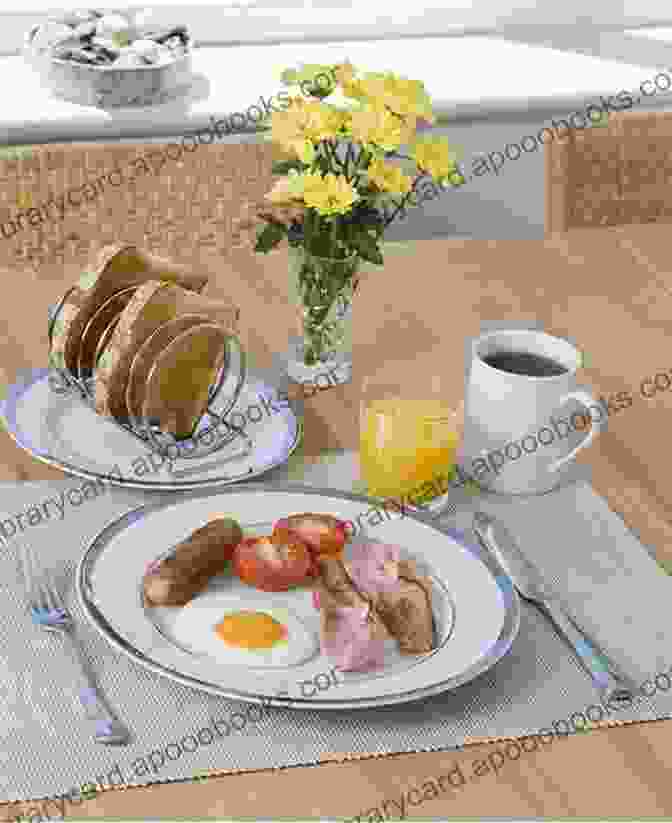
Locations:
{"points": [[521, 362]]}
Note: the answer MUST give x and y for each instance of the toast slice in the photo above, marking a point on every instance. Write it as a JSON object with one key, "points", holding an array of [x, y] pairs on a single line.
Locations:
{"points": [[150, 307], [153, 304], [103, 340], [96, 328], [116, 267], [178, 384], [146, 355]]}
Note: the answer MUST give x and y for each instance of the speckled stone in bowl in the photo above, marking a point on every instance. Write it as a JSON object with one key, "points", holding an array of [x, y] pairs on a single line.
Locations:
{"points": [[107, 86]]}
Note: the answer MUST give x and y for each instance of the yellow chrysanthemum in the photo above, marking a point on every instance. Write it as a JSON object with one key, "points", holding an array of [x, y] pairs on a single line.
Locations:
{"points": [[379, 127], [353, 88], [344, 72], [329, 194], [389, 178], [288, 189], [434, 157], [345, 75], [303, 124], [407, 98]]}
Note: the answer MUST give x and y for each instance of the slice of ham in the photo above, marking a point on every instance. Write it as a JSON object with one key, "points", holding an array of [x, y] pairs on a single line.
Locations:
{"points": [[353, 638], [351, 633], [363, 603], [375, 567]]}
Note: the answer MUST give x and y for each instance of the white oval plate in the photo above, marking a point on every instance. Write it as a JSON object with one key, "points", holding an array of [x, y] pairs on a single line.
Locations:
{"points": [[63, 431], [476, 609]]}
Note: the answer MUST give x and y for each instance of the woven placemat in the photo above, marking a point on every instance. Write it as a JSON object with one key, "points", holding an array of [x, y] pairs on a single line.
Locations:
{"points": [[538, 685]]}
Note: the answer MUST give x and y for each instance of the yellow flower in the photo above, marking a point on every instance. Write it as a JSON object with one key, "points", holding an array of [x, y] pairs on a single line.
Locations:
{"points": [[304, 124], [344, 73], [379, 127], [351, 84], [353, 88], [328, 195], [389, 178], [434, 157], [407, 98], [288, 189]]}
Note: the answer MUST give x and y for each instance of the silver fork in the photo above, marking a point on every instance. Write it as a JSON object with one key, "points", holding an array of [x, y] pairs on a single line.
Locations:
{"points": [[47, 610]]}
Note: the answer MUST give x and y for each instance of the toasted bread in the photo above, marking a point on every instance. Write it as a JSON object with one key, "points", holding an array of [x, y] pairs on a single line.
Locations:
{"points": [[116, 267], [146, 355], [152, 305], [104, 339], [177, 390], [97, 327]]}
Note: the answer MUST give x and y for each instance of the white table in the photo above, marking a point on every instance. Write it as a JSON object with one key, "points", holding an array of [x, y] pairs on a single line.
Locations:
{"points": [[465, 76]]}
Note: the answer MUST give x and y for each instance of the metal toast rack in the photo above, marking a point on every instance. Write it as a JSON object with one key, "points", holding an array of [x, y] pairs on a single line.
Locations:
{"points": [[211, 434]]}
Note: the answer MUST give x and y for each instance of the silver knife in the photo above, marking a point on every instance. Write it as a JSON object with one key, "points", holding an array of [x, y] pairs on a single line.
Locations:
{"points": [[612, 684]]}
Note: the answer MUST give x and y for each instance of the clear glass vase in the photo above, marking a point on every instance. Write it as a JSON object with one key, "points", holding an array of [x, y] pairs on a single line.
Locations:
{"points": [[322, 288]]}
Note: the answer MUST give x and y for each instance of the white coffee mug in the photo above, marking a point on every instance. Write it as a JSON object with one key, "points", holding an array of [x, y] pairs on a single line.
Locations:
{"points": [[506, 415]]}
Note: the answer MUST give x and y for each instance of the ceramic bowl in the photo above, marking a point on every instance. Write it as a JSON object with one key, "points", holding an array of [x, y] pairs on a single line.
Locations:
{"points": [[107, 86]]}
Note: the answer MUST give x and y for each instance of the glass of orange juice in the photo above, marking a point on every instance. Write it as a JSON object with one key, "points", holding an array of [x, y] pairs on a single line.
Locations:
{"points": [[408, 444]]}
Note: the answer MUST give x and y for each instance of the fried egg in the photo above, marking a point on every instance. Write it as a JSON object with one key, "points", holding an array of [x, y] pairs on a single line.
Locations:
{"points": [[244, 631]]}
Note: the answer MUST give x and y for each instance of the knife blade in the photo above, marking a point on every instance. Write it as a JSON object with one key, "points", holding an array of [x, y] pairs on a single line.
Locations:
{"points": [[526, 578], [612, 683]]}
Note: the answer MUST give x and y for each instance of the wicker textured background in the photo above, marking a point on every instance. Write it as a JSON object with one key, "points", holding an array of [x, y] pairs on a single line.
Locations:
{"points": [[190, 208], [611, 176]]}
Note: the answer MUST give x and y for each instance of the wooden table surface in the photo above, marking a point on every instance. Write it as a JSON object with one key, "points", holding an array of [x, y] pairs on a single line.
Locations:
{"points": [[610, 292]]}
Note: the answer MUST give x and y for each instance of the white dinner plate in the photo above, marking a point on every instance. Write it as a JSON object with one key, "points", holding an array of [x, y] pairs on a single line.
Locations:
{"points": [[63, 431], [476, 610]]}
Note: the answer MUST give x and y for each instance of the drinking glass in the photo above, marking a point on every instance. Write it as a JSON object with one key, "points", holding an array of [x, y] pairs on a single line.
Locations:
{"points": [[408, 443]]}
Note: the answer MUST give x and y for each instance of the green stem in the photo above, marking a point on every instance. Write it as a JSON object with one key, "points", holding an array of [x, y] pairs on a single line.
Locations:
{"points": [[359, 167], [349, 157], [334, 236], [320, 287], [331, 151], [307, 229]]}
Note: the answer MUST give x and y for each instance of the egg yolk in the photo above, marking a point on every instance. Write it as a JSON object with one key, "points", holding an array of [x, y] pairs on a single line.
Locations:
{"points": [[250, 630]]}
